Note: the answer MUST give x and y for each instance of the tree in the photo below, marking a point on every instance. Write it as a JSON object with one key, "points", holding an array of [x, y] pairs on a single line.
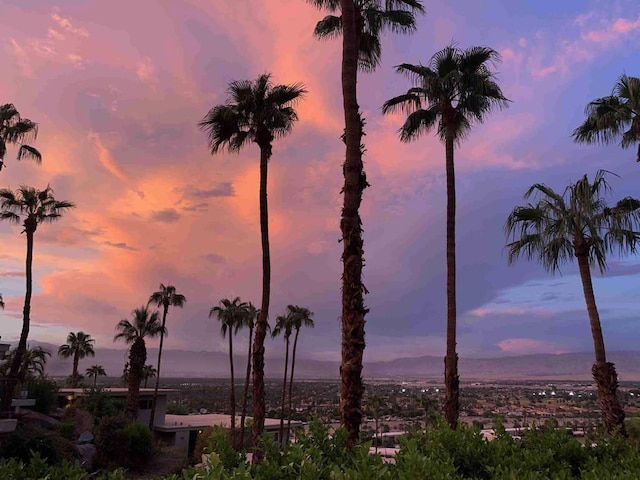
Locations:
{"points": [[614, 117], [301, 318], [375, 404], [452, 91], [249, 322], [95, 371], [34, 207], [260, 112], [149, 371], [33, 363], [230, 314], [145, 325], [284, 327], [79, 345], [361, 23], [16, 130], [578, 223], [164, 298]]}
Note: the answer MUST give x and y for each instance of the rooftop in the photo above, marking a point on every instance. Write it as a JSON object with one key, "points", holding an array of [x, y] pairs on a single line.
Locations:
{"points": [[115, 391], [179, 422]]}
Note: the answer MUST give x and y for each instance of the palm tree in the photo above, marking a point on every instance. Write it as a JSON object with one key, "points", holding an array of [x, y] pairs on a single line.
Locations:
{"points": [[614, 117], [249, 322], [578, 223], [95, 371], [15, 130], [375, 404], [165, 297], [361, 23], [455, 89], [149, 371], [79, 345], [259, 112], [284, 326], [32, 364], [231, 314], [33, 207], [301, 318], [146, 324]]}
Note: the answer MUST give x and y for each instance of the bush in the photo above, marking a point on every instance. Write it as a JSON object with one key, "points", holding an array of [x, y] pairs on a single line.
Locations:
{"points": [[217, 440], [26, 440], [45, 393], [121, 442], [99, 404], [37, 468], [138, 440]]}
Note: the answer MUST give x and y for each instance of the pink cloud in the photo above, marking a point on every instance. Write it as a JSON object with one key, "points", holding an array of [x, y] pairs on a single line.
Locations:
{"points": [[527, 346]]}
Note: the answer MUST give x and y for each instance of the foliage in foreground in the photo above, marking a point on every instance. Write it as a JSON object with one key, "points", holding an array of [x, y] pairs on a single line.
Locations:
{"points": [[441, 454]]}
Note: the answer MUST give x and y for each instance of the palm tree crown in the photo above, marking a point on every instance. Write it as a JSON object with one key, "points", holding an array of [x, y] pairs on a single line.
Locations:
{"points": [[453, 90], [614, 117], [80, 344], [96, 371], [167, 297], [374, 17], [255, 111], [146, 324], [33, 363], [232, 315], [32, 205], [16, 130], [576, 222]]}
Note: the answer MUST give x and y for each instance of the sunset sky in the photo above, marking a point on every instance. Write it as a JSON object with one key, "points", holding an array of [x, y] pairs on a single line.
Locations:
{"points": [[119, 87]]}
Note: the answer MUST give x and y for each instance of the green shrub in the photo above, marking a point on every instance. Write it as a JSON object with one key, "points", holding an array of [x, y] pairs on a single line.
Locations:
{"points": [[67, 429], [121, 442], [99, 404], [27, 440], [45, 393], [138, 440], [217, 440], [37, 468]]}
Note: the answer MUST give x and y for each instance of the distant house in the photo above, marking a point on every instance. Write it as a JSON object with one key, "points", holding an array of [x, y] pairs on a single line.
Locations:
{"points": [[175, 430]]}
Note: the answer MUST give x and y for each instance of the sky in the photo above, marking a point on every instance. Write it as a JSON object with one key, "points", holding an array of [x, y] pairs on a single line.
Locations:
{"points": [[119, 87]]}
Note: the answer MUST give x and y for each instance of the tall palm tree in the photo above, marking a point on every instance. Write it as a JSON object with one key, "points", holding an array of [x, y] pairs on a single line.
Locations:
{"points": [[79, 345], [284, 326], [231, 314], [145, 325], [301, 318], [33, 207], [614, 117], [260, 112], [249, 321], [361, 23], [95, 371], [164, 298], [33, 363], [149, 371], [452, 91], [16, 130], [578, 223]]}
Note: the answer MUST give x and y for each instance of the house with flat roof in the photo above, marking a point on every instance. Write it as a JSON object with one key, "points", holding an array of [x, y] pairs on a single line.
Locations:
{"points": [[175, 430]]}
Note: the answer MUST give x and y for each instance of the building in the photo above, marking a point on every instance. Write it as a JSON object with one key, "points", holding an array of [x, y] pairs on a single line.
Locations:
{"points": [[175, 430]]}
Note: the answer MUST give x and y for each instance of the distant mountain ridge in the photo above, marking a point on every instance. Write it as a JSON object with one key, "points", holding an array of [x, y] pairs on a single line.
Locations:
{"points": [[183, 363]]}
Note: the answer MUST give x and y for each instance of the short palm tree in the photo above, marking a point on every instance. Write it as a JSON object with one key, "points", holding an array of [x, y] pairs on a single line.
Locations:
{"points": [[284, 326], [578, 223], [301, 318], [164, 298], [95, 371], [231, 315], [79, 345], [361, 24], [256, 112], [16, 130], [251, 314], [33, 363], [33, 207], [452, 91], [145, 325], [149, 371], [613, 118], [375, 404]]}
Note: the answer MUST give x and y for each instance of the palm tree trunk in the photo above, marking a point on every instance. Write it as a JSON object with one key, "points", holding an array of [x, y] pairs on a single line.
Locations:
{"points": [[232, 395], [261, 323], [137, 360], [377, 434], [155, 390], [284, 392], [293, 366], [604, 373], [246, 390], [14, 371], [74, 374], [353, 310], [451, 379], [95, 380]]}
